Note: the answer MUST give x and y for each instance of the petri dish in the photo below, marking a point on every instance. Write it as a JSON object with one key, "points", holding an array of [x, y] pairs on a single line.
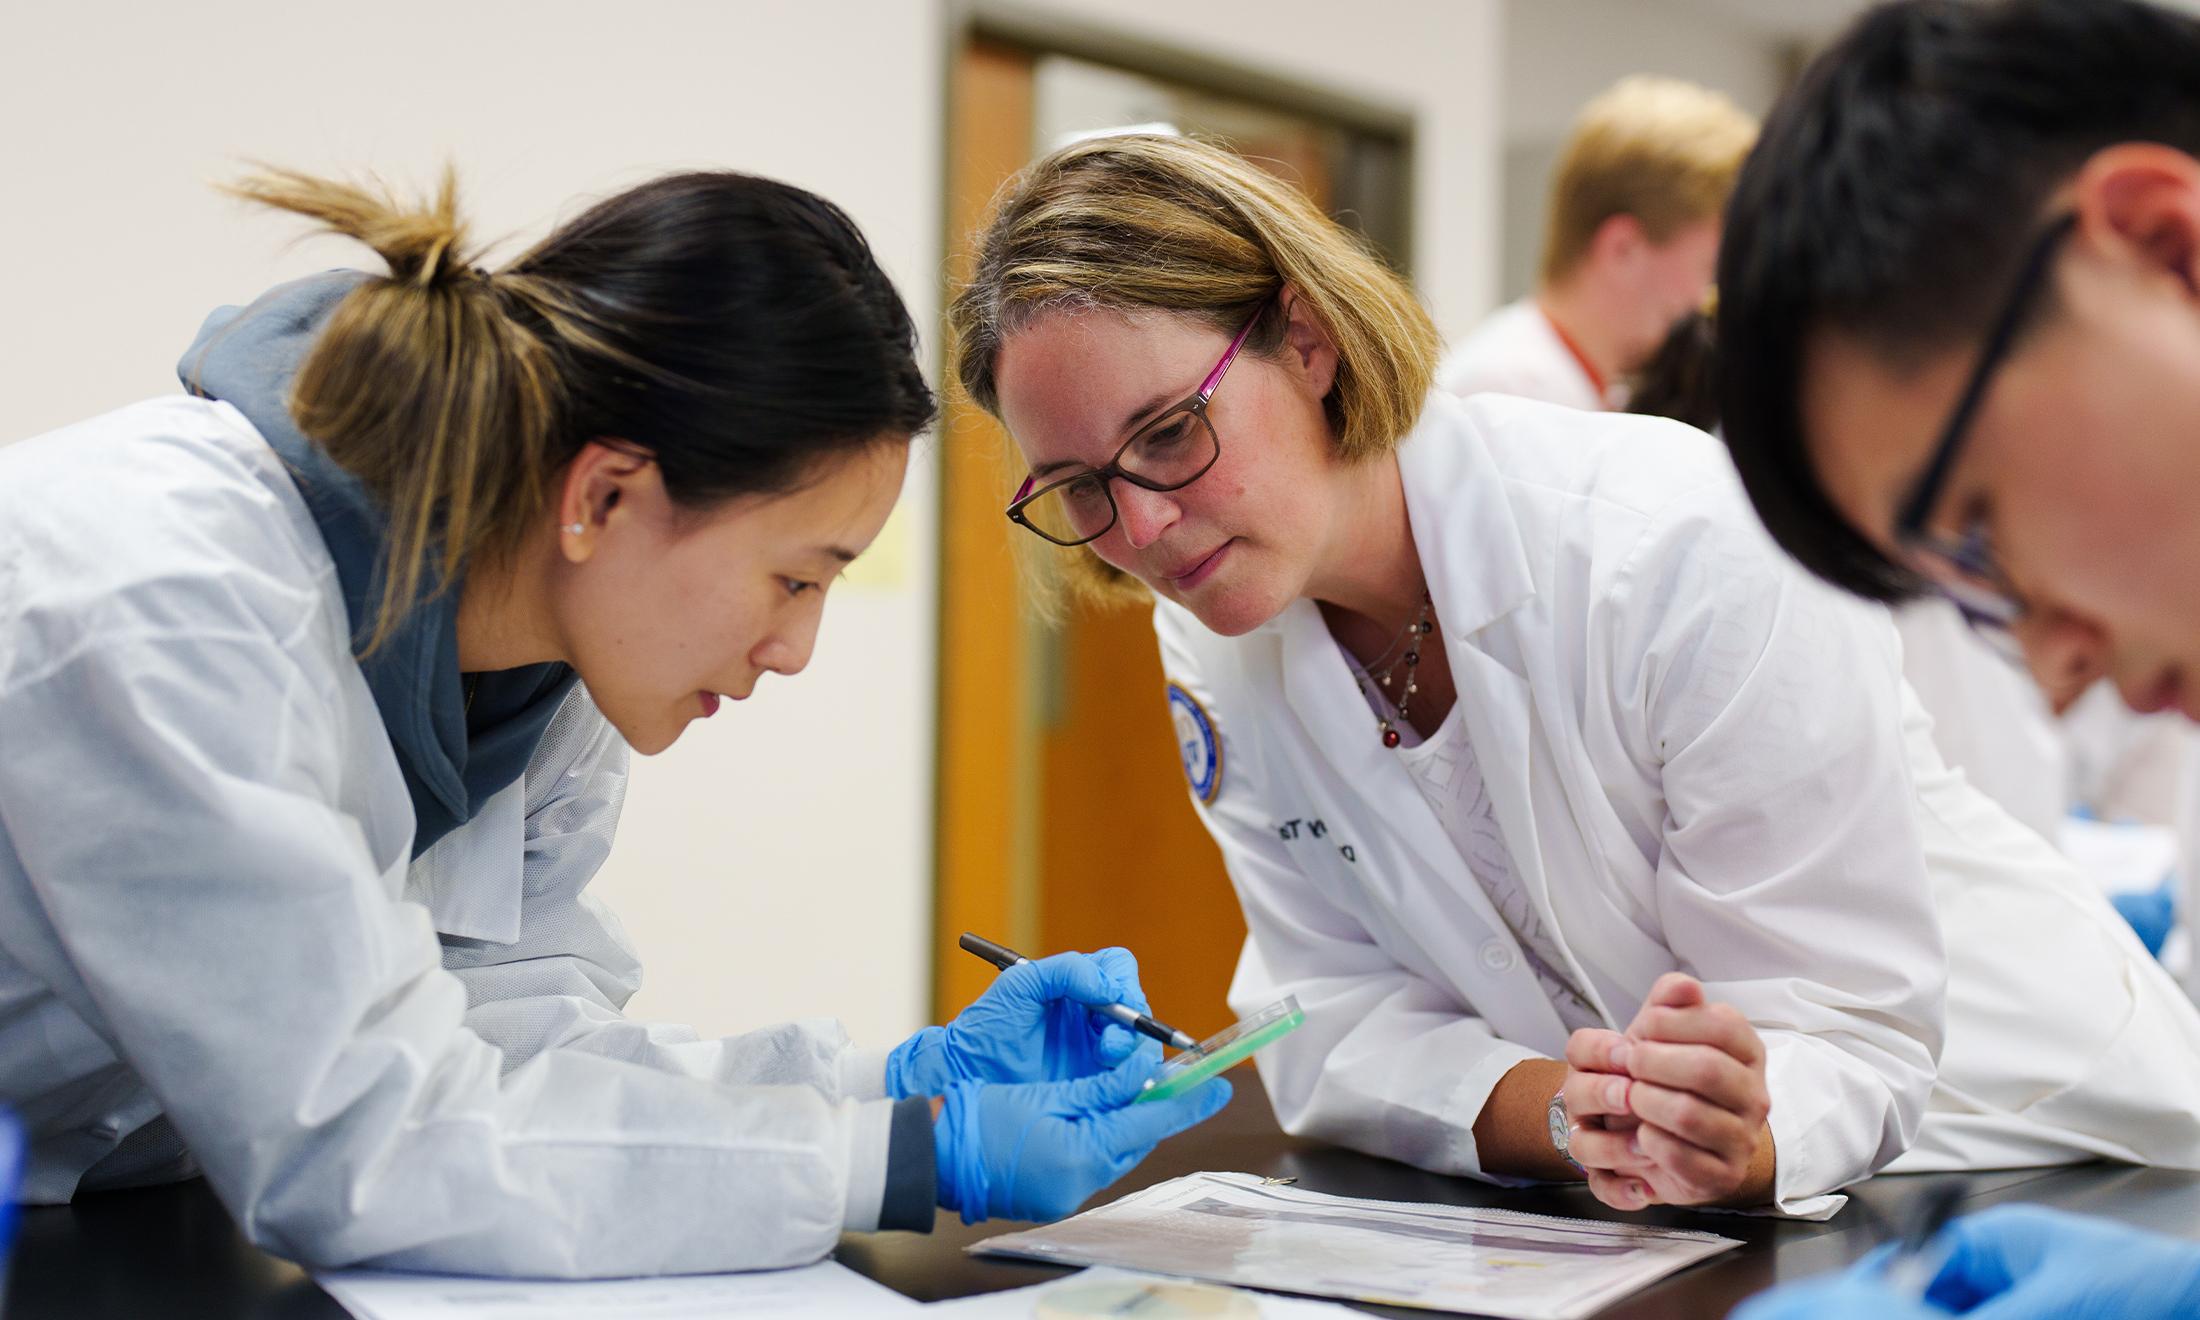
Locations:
{"points": [[1182, 1072]]}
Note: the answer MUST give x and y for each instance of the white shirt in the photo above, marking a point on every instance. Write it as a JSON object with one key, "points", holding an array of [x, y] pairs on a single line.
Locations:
{"points": [[1449, 777], [1700, 759], [1988, 719], [1516, 350], [211, 927]]}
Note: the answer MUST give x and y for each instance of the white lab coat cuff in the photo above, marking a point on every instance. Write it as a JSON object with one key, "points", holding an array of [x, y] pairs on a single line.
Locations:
{"points": [[1468, 1100], [1803, 1093], [863, 1074], [1816, 1209], [1796, 1181], [870, 1130]]}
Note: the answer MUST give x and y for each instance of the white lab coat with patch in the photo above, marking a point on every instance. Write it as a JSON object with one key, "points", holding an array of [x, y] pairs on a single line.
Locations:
{"points": [[1701, 760], [211, 926]]}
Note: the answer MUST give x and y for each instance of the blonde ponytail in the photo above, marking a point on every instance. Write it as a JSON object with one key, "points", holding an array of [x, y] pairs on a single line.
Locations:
{"points": [[425, 387]]}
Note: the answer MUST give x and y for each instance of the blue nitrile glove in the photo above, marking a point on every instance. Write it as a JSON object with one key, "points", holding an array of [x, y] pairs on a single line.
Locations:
{"points": [[1030, 1025], [2151, 913], [2018, 1262], [2026, 1262], [1037, 1150], [11, 1178], [1855, 1294]]}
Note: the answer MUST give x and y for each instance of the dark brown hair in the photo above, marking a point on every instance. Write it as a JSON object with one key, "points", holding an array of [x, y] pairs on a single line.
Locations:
{"points": [[736, 329], [1895, 196]]}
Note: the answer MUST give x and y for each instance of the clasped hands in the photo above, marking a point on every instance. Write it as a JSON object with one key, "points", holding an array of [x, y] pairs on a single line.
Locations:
{"points": [[1672, 1111]]}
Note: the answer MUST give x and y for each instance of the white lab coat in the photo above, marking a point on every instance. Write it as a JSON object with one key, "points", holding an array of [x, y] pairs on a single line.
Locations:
{"points": [[1516, 350], [1988, 720], [209, 925], [1701, 760]]}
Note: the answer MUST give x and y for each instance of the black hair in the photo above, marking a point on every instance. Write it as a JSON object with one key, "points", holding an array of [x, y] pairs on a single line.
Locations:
{"points": [[1681, 379], [734, 328], [1892, 197]]}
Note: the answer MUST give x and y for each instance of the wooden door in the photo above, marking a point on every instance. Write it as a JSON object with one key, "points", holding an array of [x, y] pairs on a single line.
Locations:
{"points": [[987, 772], [1124, 857], [1064, 818]]}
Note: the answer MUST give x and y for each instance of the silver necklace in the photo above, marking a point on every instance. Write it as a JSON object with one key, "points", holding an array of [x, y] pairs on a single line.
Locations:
{"points": [[1410, 638]]}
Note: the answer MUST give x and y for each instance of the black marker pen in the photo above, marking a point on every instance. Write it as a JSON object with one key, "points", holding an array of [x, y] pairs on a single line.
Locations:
{"points": [[1123, 1014]]}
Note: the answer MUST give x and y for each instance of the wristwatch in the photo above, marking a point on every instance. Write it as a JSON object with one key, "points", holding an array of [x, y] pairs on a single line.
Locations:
{"points": [[1562, 1129]]}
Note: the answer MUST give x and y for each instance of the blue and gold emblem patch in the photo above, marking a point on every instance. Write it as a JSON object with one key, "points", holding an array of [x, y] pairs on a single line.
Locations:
{"points": [[1197, 742]]}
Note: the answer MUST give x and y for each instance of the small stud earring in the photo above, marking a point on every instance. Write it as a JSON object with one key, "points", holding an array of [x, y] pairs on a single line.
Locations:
{"points": [[576, 528]]}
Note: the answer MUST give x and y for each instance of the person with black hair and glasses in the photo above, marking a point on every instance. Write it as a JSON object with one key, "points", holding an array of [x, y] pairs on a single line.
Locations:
{"points": [[1960, 331], [317, 687]]}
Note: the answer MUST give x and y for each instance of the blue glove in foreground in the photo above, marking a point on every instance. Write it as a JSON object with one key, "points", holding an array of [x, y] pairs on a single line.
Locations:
{"points": [[1030, 1025], [1036, 1150], [2017, 1262], [1856, 1294], [2022, 1262]]}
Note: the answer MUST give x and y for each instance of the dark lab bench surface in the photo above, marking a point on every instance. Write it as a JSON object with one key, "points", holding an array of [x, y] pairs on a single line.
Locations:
{"points": [[174, 1251]]}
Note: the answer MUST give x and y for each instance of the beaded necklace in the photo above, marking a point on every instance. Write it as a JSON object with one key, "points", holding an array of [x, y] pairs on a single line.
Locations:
{"points": [[1410, 638]]}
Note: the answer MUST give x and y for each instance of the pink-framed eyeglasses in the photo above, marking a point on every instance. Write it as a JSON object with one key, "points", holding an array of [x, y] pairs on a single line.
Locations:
{"points": [[1170, 452]]}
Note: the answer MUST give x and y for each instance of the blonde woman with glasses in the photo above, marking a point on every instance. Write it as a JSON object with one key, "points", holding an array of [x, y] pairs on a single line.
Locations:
{"points": [[1597, 840]]}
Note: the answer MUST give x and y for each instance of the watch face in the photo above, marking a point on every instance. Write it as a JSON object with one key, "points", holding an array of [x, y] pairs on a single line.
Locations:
{"points": [[1561, 1133]]}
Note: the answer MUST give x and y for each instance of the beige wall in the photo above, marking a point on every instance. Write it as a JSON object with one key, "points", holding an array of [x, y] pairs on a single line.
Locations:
{"points": [[1438, 60], [1560, 53], [777, 862]]}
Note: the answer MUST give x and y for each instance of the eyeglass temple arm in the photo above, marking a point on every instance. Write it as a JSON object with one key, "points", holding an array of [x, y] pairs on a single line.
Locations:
{"points": [[1214, 378], [1918, 506]]}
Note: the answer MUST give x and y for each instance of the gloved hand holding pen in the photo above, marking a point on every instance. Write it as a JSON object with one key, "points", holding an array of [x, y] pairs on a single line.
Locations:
{"points": [[1038, 1150], [1036, 1081], [1035, 1023]]}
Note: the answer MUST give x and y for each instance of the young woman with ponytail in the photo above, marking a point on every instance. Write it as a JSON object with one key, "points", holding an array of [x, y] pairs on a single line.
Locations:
{"points": [[317, 685]]}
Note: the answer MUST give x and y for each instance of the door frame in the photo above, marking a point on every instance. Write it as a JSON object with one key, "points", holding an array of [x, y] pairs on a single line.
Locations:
{"points": [[993, 649]]}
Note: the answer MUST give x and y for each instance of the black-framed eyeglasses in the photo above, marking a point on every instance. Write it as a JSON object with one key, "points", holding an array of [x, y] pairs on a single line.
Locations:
{"points": [[1170, 452], [1963, 568]]}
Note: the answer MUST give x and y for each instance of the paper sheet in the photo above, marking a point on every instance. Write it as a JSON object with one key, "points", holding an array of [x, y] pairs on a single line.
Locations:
{"points": [[829, 1291], [1234, 1228], [1021, 1303]]}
